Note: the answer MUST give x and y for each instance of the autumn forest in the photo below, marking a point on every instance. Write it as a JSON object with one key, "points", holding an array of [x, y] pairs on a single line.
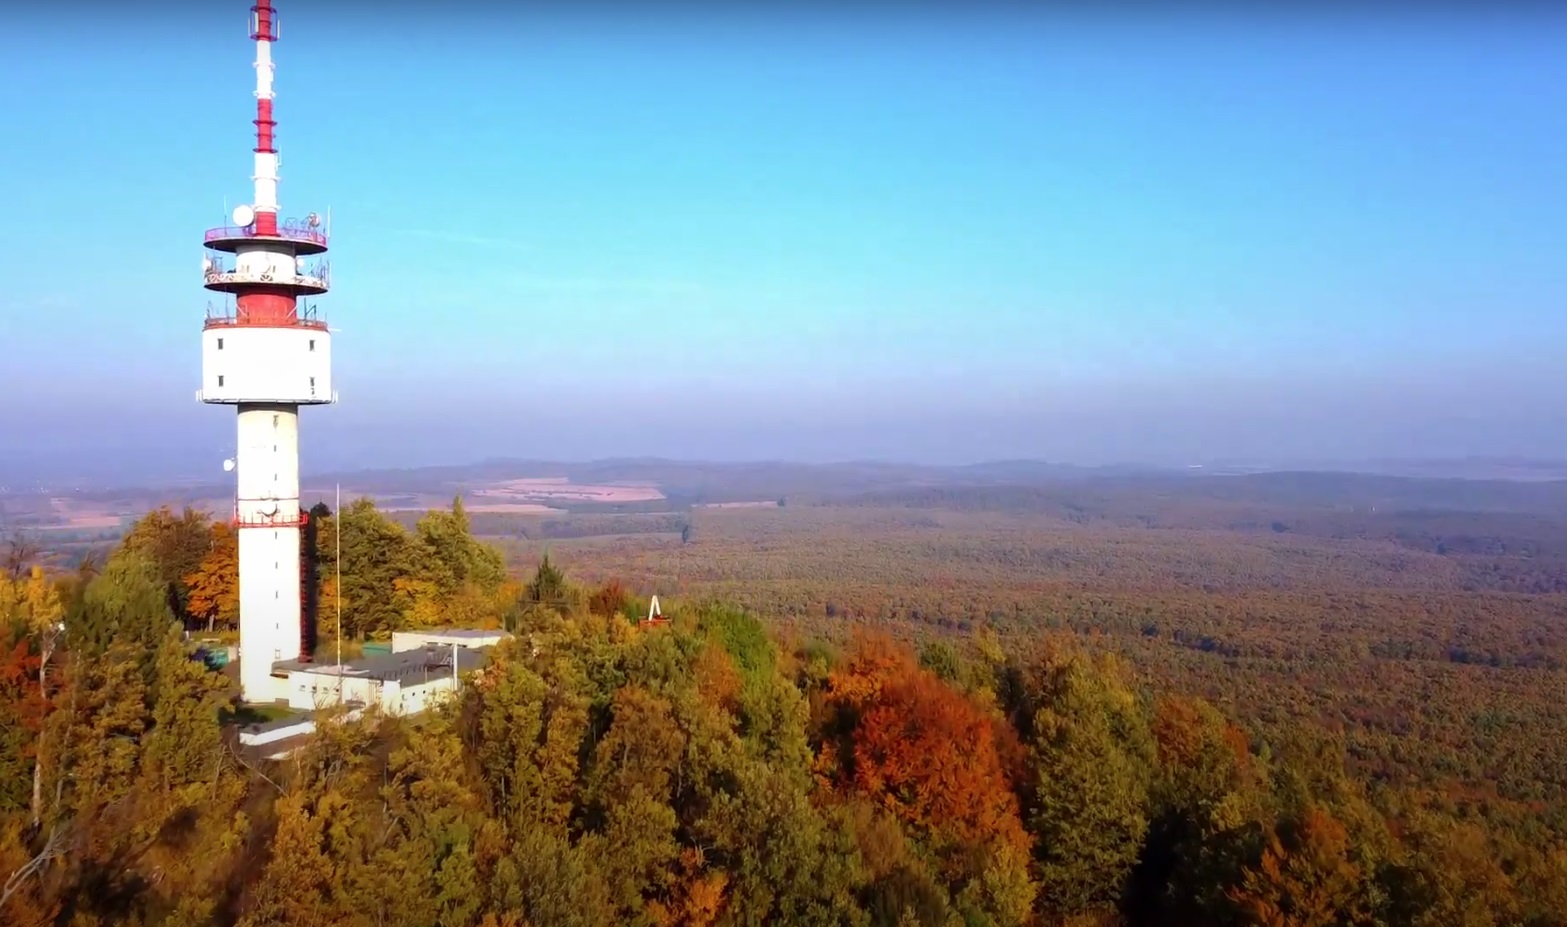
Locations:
{"points": [[975, 707]]}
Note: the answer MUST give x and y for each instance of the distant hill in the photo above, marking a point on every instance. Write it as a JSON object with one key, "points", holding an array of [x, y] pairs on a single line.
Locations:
{"points": [[651, 485], [1463, 468]]}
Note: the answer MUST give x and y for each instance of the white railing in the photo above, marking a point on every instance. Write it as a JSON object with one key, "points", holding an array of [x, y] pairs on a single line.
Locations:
{"points": [[224, 275], [291, 230], [201, 396]]}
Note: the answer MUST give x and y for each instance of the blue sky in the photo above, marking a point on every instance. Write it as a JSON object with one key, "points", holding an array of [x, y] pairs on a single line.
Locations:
{"points": [[932, 237]]}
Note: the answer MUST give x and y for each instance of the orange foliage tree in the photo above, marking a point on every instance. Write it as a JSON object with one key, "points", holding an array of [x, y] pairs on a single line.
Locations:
{"points": [[1305, 878], [214, 584], [915, 746], [21, 715], [609, 599]]}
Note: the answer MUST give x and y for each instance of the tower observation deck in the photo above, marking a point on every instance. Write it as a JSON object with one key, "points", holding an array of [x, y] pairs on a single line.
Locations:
{"points": [[267, 355]]}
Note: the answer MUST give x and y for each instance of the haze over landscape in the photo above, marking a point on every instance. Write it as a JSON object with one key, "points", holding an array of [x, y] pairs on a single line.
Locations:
{"points": [[792, 466], [929, 236]]}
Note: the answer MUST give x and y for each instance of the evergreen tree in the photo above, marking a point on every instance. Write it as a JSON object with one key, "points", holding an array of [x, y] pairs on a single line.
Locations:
{"points": [[1091, 764], [127, 605]]}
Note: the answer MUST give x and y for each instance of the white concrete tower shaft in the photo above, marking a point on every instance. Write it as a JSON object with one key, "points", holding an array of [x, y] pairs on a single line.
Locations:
{"points": [[267, 356]]}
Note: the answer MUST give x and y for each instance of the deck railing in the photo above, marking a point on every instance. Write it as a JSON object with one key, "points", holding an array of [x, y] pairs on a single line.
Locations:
{"points": [[272, 521], [289, 232]]}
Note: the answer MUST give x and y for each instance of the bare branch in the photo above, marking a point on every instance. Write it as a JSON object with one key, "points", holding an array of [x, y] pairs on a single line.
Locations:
{"points": [[53, 849], [21, 552], [243, 762]]}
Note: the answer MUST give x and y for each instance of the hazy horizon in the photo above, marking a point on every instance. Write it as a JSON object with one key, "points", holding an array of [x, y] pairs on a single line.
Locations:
{"points": [[935, 238]]}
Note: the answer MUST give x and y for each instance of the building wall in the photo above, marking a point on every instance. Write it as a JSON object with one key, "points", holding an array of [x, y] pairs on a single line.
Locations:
{"points": [[258, 689], [242, 363], [411, 700], [403, 641], [308, 691]]}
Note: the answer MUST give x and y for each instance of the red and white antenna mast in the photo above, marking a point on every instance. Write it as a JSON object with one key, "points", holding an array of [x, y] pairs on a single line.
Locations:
{"points": [[263, 29], [267, 357]]}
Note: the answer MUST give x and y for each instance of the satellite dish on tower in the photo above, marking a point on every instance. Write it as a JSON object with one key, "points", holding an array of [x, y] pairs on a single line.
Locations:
{"points": [[313, 220], [243, 215], [228, 465]]}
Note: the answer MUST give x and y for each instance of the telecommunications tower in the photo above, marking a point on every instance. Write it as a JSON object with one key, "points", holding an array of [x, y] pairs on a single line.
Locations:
{"points": [[267, 353]]}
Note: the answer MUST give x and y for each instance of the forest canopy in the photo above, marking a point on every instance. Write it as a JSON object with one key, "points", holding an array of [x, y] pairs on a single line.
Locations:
{"points": [[715, 770]]}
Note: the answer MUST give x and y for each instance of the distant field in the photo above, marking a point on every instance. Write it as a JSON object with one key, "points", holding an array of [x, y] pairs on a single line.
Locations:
{"points": [[85, 521], [518, 496], [562, 488]]}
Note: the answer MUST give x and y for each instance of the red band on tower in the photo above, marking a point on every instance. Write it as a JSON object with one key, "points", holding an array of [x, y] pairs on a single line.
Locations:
{"points": [[266, 306], [264, 126], [262, 27]]}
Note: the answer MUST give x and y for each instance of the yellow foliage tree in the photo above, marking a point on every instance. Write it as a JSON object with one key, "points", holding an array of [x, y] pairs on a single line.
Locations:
{"points": [[420, 601], [326, 608]]}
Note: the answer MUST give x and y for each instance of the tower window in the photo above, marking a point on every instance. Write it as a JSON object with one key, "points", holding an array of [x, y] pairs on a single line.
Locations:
{"points": [[312, 343], [220, 344], [220, 379], [312, 381]]}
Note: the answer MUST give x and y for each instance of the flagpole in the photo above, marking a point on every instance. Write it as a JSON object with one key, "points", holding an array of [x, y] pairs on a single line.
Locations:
{"points": [[337, 517]]}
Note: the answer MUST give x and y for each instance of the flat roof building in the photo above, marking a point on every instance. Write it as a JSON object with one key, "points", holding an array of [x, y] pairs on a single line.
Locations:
{"points": [[462, 637], [399, 683]]}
